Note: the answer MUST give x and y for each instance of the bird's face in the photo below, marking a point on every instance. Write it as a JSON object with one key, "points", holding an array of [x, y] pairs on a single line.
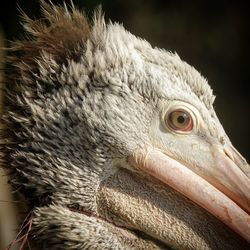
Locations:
{"points": [[156, 115], [191, 134], [166, 128], [174, 135]]}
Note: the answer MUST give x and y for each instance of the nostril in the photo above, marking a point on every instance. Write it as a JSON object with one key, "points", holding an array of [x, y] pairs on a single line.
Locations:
{"points": [[228, 154]]}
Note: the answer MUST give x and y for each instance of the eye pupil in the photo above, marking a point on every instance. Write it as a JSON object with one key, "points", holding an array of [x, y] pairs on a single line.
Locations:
{"points": [[181, 119]]}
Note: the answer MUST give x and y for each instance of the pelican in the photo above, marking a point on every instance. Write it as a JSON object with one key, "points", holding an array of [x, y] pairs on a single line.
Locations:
{"points": [[114, 144]]}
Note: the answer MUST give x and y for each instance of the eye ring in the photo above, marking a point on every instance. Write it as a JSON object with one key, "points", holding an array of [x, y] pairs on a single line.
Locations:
{"points": [[179, 120]]}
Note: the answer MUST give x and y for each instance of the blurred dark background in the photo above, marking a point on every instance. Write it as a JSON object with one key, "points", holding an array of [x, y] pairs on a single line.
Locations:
{"points": [[213, 36]]}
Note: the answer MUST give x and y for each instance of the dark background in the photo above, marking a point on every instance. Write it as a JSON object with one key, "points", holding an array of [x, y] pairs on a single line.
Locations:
{"points": [[211, 36]]}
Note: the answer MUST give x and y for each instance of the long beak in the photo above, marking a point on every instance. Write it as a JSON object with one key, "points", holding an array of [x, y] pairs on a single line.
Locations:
{"points": [[227, 204]]}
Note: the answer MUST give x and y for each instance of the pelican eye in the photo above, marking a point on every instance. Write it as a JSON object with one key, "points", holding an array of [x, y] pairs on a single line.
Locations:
{"points": [[179, 120]]}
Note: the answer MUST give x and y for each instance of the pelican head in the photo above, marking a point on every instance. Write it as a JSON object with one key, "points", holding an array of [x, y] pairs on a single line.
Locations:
{"points": [[116, 144]]}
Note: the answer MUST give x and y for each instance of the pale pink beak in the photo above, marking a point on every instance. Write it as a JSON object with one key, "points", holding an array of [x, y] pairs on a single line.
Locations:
{"points": [[225, 194]]}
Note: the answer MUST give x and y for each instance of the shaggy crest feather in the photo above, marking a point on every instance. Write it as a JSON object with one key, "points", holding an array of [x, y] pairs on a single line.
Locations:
{"points": [[62, 33]]}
